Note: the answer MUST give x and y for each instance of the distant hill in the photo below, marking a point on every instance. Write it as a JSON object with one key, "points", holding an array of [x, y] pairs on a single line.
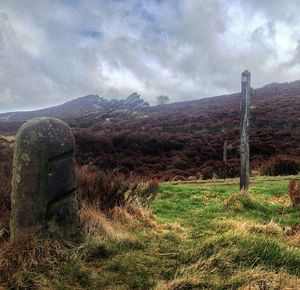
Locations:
{"points": [[80, 107], [183, 138]]}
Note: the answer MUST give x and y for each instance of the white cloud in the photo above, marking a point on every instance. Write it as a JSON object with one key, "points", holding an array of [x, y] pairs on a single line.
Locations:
{"points": [[52, 51]]}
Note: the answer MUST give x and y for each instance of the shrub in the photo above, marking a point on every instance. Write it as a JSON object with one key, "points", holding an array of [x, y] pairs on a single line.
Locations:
{"points": [[220, 169], [107, 190], [5, 189], [208, 172], [181, 164], [111, 189], [280, 166], [179, 178], [143, 192]]}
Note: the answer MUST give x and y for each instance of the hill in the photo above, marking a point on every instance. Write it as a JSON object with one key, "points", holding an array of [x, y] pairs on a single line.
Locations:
{"points": [[180, 139], [78, 108]]}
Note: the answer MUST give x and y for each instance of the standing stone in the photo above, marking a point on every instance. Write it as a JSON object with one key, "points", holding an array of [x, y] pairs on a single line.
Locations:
{"points": [[245, 126], [43, 186]]}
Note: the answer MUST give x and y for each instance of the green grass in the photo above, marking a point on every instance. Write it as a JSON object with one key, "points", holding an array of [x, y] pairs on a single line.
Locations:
{"points": [[206, 245], [202, 209], [206, 235]]}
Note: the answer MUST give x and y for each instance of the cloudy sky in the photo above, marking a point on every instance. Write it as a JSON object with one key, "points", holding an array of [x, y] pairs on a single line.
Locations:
{"points": [[55, 50]]}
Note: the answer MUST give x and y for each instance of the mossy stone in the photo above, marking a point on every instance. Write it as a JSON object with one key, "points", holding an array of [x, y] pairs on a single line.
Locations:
{"points": [[43, 185]]}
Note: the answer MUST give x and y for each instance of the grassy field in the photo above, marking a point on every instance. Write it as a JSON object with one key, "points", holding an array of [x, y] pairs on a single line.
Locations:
{"points": [[235, 240], [201, 235]]}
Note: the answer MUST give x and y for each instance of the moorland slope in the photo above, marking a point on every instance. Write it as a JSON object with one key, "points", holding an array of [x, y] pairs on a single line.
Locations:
{"points": [[179, 139]]}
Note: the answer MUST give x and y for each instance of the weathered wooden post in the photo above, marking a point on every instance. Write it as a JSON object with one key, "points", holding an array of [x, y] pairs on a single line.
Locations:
{"points": [[225, 147], [245, 126]]}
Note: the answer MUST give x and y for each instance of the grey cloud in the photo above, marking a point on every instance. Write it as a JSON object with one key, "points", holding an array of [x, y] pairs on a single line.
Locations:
{"points": [[52, 51], [275, 9]]}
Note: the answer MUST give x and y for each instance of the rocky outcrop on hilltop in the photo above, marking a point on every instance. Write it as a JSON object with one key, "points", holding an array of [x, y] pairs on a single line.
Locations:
{"points": [[94, 102], [109, 110], [87, 109]]}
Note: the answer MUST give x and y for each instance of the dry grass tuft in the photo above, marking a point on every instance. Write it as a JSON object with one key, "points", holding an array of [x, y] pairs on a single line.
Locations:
{"points": [[136, 217], [179, 284], [259, 279], [247, 226], [122, 216], [234, 199], [96, 225], [294, 239], [182, 233], [100, 228], [293, 234], [22, 257], [270, 228], [111, 205], [121, 223], [237, 226], [282, 200], [142, 214]]}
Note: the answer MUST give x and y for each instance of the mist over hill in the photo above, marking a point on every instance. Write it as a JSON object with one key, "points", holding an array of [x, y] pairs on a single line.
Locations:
{"points": [[181, 138]]}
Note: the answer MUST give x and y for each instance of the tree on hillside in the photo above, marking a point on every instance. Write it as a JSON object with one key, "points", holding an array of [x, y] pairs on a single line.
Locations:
{"points": [[162, 100]]}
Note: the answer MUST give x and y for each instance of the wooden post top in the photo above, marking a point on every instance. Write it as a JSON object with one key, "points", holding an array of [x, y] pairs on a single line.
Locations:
{"points": [[246, 73]]}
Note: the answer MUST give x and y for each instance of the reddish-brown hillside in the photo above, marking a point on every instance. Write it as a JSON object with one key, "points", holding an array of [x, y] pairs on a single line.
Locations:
{"points": [[181, 138]]}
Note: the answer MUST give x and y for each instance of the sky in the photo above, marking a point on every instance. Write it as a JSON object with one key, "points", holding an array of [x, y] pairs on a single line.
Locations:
{"points": [[52, 51]]}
